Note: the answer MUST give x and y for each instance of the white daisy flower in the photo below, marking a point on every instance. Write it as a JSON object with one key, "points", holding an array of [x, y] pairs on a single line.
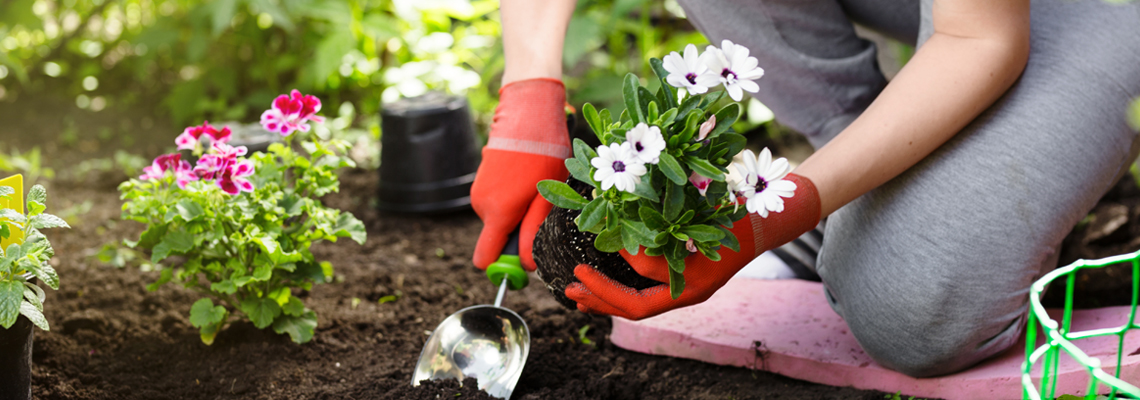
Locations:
{"points": [[618, 166], [763, 183], [646, 142], [689, 72], [734, 67]]}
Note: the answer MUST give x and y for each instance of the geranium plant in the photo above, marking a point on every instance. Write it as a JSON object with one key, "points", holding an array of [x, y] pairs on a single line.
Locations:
{"points": [[242, 223], [664, 177], [21, 261]]}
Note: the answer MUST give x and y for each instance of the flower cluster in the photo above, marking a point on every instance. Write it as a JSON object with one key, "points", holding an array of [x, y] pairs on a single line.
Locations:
{"points": [[219, 164], [730, 65], [667, 178], [622, 165], [292, 113]]}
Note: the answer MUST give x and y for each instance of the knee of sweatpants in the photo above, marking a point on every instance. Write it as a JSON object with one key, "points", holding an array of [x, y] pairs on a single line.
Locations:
{"points": [[923, 344]]}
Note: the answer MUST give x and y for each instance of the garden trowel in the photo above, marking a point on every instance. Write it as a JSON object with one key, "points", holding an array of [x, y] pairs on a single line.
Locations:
{"points": [[486, 342]]}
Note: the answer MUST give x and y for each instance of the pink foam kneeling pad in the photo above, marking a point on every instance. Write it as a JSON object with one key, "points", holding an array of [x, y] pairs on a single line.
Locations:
{"points": [[787, 327]]}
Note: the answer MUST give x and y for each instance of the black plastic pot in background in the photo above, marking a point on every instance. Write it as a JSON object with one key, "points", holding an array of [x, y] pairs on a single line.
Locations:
{"points": [[428, 154], [16, 360]]}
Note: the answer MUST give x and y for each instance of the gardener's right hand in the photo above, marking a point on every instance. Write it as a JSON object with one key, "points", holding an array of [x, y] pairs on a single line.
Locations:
{"points": [[596, 293], [528, 143]]}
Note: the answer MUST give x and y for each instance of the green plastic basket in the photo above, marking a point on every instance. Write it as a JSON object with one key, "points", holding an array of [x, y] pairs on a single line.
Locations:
{"points": [[1058, 337]]}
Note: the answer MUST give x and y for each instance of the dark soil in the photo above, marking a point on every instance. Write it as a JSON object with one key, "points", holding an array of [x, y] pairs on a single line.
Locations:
{"points": [[1111, 229], [112, 339], [559, 247]]}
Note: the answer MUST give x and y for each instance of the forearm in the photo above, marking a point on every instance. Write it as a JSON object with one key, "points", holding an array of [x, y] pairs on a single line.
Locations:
{"points": [[947, 84], [533, 34]]}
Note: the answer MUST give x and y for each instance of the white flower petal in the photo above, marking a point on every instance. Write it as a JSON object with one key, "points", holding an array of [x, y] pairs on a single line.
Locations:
{"points": [[748, 86], [734, 92], [763, 162]]}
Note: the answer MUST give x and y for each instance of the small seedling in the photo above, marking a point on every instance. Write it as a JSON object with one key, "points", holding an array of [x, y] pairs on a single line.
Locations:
{"points": [[583, 338]]}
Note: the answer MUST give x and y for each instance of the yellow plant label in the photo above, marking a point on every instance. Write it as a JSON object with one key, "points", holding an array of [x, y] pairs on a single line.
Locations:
{"points": [[15, 202]]}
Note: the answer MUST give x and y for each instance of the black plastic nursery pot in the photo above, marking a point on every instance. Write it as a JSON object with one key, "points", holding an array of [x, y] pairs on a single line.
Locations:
{"points": [[559, 247], [428, 154], [16, 360]]}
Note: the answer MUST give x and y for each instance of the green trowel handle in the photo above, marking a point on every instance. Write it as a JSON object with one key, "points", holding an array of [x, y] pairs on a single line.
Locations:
{"points": [[508, 266]]}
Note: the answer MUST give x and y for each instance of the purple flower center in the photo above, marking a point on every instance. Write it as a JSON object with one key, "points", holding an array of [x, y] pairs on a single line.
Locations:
{"points": [[691, 77], [637, 146], [619, 166], [761, 184], [725, 73]]}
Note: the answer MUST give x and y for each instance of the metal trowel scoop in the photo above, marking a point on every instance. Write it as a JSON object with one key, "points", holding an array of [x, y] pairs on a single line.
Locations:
{"points": [[486, 342]]}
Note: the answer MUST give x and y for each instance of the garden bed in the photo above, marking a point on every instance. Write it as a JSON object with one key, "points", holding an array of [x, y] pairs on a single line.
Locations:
{"points": [[111, 339]]}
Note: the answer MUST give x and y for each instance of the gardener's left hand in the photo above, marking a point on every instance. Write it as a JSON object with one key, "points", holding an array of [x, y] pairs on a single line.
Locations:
{"points": [[598, 294]]}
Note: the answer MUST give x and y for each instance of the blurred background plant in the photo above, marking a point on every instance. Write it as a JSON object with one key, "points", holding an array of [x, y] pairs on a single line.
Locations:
{"points": [[189, 60]]}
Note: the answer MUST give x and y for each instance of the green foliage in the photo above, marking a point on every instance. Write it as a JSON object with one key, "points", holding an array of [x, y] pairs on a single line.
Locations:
{"points": [[19, 262], [664, 214], [247, 254], [29, 163]]}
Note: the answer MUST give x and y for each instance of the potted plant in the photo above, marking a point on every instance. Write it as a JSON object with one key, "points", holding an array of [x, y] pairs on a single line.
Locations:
{"points": [[23, 258], [663, 179], [241, 225]]}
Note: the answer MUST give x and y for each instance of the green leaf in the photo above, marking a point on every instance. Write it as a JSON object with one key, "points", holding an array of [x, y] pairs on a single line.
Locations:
{"points": [[672, 169], [644, 189], [674, 200], [652, 219], [176, 241], [34, 295], [704, 168], [561, 195], [676, 283], [685, 217], [293, 204], [12, 215], [638, 232], [729, 240], [47, 274], [609, 240], [35, 208], [46, 221], [37, 194], [703, 233], [261, 311], [32, 314], [592, 119], [268, 244], [670, 93], [348, 226], [226, 286], [204, 313], [6, 191], [5, 232], [725, 118], [630, 95], [188, 210], [579, 170], [583, 152], [299, 328], [164, 277], [293, 307], [593, 215], [629, 239], [11, 296], [691, 103]]}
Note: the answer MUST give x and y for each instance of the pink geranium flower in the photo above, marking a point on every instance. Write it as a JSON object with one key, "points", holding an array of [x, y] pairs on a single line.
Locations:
{"points": [[232, 178], [173, 162], [292, 113], [228, 152], [189, 138]]}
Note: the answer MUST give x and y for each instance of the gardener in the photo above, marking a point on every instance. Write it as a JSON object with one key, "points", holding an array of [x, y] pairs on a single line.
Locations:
{"points": [[947, 191]]}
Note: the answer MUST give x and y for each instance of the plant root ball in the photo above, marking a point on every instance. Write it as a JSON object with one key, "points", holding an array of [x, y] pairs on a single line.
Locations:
{"points": [[559, 247]]}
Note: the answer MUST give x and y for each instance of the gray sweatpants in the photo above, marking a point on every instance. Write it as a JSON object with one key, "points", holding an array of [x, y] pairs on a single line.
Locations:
{"points": [[931, 270]]}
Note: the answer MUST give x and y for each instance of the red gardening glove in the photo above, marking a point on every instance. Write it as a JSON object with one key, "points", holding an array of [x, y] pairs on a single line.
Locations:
{"points": [[528, 143], [598, 294]]}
